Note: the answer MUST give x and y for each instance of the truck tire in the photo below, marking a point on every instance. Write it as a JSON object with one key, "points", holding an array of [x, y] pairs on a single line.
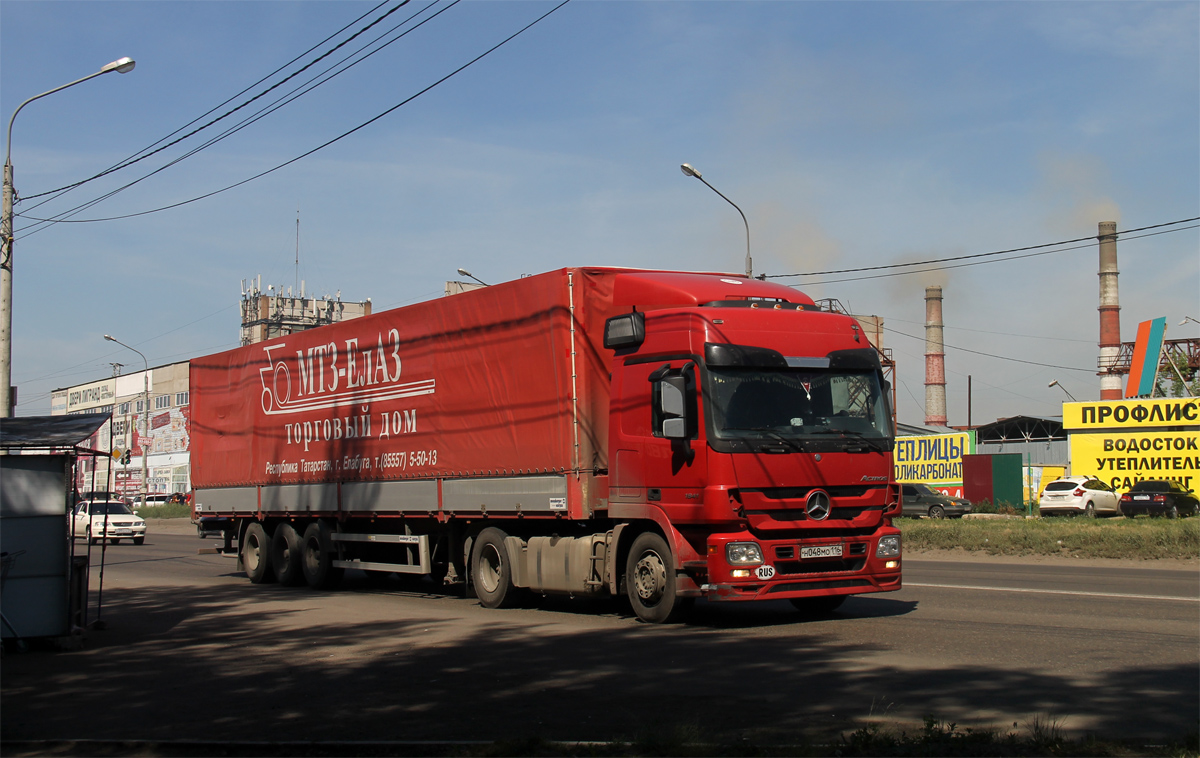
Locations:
{"points": [[256, 554], [285, 556], [650, 581], [490, 571], [316, 549]]}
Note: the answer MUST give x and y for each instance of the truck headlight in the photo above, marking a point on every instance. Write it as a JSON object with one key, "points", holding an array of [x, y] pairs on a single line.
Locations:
{"points": [[743, 553], [888, 547]]}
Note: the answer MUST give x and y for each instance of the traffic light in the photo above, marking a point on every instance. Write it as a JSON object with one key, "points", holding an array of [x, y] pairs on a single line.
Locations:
{"points": [[125, 458]]}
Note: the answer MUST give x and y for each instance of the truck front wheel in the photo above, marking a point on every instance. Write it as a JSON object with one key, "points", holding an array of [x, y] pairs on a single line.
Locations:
{"points": [[316, 550], [490, 571], [256, 554], [650, 581]]}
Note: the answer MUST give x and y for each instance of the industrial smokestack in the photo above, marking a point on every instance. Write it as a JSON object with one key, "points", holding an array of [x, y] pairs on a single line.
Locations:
{"points": [[935, 359], [1110, 313]]}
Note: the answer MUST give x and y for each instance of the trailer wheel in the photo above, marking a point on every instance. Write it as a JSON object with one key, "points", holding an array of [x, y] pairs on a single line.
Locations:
{"points": [[317, 558], [650, 581], [490, 572], [285, 555], [256, 554]]}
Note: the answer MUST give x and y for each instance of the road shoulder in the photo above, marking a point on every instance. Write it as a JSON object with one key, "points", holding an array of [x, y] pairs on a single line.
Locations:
{"points": [[978, 556]]}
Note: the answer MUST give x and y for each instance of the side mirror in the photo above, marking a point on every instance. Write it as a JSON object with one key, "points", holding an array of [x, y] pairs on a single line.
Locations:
{"points": [[672, 408]]}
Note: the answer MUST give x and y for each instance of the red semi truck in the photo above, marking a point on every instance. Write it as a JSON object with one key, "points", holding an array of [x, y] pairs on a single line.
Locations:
{"points": [[588, 431]]}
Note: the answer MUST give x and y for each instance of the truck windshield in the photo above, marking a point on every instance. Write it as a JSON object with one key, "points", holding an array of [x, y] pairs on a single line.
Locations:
{"points": [[797, 404]]}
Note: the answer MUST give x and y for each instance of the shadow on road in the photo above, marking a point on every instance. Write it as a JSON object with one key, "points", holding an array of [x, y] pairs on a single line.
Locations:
{"points": [[250, 663]]}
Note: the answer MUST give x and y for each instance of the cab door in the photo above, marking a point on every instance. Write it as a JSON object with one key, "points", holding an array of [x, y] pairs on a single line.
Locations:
{"points": [[650, 466]]}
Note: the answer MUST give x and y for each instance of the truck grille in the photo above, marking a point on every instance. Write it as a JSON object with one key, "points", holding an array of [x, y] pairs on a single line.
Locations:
{"points": [[799, 493]]}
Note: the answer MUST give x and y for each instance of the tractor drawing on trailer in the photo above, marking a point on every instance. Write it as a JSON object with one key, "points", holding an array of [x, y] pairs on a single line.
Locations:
{"points": [[662, 436]]}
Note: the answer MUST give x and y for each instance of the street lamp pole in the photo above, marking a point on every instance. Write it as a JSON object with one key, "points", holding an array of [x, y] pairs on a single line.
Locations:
{"points": [[689, 171], [121, 66], [145, 416], [1064, 389], [464, 272]]}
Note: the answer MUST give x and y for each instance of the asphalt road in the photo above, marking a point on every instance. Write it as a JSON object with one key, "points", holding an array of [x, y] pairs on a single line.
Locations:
{"points": [[193, 651]]}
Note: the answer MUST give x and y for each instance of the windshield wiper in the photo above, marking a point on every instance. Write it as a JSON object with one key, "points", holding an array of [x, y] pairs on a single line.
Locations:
{"points": [[871, 442], [794, 444]]}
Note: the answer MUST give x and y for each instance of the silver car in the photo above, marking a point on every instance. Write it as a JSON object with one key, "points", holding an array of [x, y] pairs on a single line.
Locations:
{"points": [[93, 517], [1079, 496]]}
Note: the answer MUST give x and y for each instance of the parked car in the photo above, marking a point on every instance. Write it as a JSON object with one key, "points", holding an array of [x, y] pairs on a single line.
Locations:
{"points": [[101, 495], [90, 516], [1078, 495], [1158, 497], [154, 498], [921, 500]]}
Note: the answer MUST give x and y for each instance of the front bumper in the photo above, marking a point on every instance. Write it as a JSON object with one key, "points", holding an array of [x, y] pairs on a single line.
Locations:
{"points": [[117, 531], [785, 573]]}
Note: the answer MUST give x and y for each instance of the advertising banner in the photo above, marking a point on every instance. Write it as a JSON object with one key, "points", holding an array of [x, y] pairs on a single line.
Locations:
{"points": [[1122, 458], [91, 396], [1132, 414], [934, 459], [419, 392]]}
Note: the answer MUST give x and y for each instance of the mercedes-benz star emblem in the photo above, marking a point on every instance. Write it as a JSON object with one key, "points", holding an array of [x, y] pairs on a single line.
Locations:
{"points": [[817, 505]]}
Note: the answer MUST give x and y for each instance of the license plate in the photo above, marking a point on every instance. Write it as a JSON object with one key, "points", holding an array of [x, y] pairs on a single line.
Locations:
{"points": [[821, 551], [1141, 497]]}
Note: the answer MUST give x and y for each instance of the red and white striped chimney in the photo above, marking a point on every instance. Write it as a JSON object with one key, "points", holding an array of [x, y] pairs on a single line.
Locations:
{"points": [[935, 359], [1110, 313]]}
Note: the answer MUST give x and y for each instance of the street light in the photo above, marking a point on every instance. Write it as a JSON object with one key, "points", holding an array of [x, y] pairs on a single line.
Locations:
{"points": [[464, 272], [145, 415], [121, 66], [1064, 389], [1187, 319], [689, 171]]}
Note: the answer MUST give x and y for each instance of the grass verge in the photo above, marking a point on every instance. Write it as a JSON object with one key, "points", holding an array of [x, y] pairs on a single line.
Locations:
{"points": [[1140, 538]]}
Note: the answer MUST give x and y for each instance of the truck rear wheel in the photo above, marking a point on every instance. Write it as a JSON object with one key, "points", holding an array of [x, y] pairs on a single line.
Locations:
{"points": [[317, 554], [285, 556], [256, 552], [650, 581], [490, 571]]}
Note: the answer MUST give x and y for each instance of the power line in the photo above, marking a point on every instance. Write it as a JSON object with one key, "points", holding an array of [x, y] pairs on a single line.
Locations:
{"points": [[982, 263], [326, 144], [136, 157], [290, 97], [1000, 334], [985, 255], [1001, 357]]}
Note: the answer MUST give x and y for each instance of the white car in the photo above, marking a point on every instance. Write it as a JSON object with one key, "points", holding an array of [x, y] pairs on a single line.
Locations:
{"points": [[1079, 495], [90, 517]]}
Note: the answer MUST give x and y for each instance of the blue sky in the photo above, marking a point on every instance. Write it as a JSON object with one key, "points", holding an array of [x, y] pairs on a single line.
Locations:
{"points": [[851, 133]]}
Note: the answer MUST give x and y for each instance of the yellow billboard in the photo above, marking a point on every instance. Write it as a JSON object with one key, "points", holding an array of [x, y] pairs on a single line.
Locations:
{"points": [[1132, 414], [934, 459], [1122, 458]]}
